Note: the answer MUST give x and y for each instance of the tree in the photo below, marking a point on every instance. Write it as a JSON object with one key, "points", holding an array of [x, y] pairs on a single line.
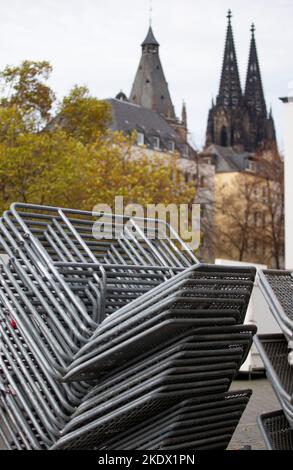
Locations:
{"points": [[83, 116], [25, 88], [36, 168], [234, 225], [250, 226], [273, 235], [73, 159], [110, 169]]}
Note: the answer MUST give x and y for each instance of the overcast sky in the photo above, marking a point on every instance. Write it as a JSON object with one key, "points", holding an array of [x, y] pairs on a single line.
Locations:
{"points": [[97, 43]]}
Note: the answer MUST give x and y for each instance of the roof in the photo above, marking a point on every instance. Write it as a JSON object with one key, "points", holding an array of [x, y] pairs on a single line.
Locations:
{"points": [[227, 160], [127, 117], [150, 88], [150, 39]]}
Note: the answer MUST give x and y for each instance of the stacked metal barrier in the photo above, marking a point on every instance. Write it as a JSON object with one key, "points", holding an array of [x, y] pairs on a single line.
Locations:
{"points": [[275, 351], [276, 431], [103, 338]]}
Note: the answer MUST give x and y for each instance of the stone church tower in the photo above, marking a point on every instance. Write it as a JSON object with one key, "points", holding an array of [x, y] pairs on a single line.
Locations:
{"points": [[240, 120], [150, 88]]}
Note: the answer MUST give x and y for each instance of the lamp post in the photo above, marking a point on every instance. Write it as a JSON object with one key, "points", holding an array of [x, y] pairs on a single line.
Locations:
{"points": [[288, 140]]}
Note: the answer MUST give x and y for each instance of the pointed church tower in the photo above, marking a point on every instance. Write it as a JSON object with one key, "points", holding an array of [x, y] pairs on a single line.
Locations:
{"points": [[230, 93], [262, 127], [254, 95], [225, 117], [150, 88]]}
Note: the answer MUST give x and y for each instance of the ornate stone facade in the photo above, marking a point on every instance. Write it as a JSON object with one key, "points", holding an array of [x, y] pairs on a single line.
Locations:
{"points": [[240, 120]]}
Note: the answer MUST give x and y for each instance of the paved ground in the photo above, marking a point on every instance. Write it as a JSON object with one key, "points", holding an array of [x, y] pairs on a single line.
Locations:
{"points": [[263, 400]]}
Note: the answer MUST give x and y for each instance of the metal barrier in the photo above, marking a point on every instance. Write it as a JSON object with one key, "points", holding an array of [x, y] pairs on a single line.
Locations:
{"points": [[98, 338]]}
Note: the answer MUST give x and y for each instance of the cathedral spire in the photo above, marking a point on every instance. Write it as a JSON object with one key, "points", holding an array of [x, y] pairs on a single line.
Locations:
{"points": [[230, 93], [150, 88], [236, 120], [254, 95]]}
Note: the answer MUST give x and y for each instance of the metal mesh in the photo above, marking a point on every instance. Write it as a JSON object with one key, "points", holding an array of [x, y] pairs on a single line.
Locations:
{"points": [[194, 416], [133, 320], [281, 283], [277, 352], [277, 431]]}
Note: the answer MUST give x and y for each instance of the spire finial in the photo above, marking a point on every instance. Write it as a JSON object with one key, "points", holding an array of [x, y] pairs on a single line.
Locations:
{"points": [[151, 13], [252, 29], [229, 16]]}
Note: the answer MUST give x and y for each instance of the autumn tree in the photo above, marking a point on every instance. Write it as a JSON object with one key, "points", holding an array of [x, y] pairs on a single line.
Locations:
{"points": [[109, 169], [250, 222], [235, 207], [24, 87], [82, 116], [272, 179], [70, 157]]}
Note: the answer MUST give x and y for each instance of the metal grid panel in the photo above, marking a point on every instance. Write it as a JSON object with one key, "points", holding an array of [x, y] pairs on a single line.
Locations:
{"points": [[276, 431], [64, 295]]}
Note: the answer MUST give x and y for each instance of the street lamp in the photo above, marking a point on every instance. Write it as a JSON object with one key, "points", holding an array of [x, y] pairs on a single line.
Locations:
{"points": [[288, 140]]}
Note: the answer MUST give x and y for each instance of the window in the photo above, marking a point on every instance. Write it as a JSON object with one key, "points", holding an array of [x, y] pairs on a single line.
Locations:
{"points": [[189, 177], [251, 166], [186, 151], [224, 137], [156, 143], [140, 138], [171, 146]]}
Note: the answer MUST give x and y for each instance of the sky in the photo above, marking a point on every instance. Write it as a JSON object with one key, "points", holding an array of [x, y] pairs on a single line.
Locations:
{"points": [[97, 43]]}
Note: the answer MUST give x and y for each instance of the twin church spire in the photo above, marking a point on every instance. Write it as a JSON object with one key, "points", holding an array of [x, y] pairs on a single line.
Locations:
{"points": [[254, 95], [237, 119], [240, 119], [230, 93]]}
